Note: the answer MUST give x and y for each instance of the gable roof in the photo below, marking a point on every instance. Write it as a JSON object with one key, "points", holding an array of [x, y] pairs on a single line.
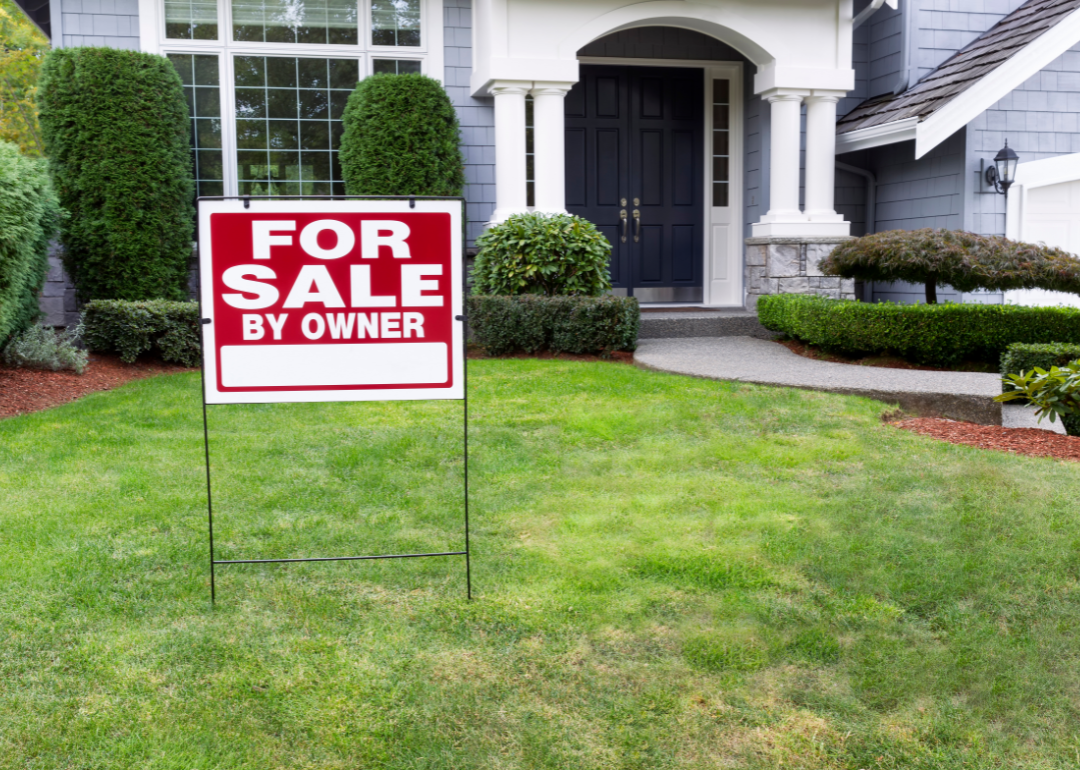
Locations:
{"points": [[991, 65]]}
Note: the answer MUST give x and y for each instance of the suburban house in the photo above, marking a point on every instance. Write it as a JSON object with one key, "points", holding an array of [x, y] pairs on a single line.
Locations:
{"points": [[723, 146]]}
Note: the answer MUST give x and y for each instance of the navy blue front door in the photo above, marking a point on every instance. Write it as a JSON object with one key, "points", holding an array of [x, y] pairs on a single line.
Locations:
{"points": [[634, 145]]}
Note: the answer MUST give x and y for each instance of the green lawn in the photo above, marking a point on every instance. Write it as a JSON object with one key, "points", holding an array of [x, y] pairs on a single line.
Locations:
{"points": [[669, 573]]}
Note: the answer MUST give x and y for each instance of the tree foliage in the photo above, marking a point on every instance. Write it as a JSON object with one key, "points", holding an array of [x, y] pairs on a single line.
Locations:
{"points": [[115, 125], [22, 47], [28, 218], [963, 260], [401, 138], [551, 254]]}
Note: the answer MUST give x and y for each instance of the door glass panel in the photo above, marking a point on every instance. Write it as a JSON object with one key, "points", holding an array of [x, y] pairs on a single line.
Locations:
{"points": [[329, 22], [395, 22], [199, 74], [721, 144], [289, 123], [191, 19]]}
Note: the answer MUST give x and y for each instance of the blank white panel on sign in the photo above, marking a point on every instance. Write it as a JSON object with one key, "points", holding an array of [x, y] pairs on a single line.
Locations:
{"points": [[297, 366]]}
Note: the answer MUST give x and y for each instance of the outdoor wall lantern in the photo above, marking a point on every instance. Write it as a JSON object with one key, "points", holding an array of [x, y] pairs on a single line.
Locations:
{"points": [[1002, 174]]}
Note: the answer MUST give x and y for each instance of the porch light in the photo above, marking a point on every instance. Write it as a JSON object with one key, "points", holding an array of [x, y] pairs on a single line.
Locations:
{"points": [[1002, 174]]}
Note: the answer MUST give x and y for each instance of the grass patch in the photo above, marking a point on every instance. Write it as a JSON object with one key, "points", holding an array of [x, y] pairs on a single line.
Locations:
{"points": [[671, 573]]}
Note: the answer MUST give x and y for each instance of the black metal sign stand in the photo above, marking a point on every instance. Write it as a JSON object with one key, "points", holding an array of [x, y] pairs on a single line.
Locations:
{"points": [[214, 561]]}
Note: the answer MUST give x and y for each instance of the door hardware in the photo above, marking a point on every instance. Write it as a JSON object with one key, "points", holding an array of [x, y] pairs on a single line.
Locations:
{"points": [[622, 202], [637, 225], [625, 222], [637, 201]]}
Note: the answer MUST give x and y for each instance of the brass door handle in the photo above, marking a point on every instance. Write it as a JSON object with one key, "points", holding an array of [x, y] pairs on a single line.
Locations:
{"points": [[625, 224], [637, 225]]}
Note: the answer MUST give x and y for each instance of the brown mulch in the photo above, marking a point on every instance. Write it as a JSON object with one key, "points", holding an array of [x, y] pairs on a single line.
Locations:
{"points": [[617, 356], [1033, 442], [30, 390], [887, 362]]}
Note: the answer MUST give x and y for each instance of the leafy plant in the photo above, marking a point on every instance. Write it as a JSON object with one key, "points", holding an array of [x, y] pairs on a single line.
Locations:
{"points": [[115, 124], [28, 219], [530, 323], [43, 347], [1054, 393], [551, 254], [963, 260], [22, 48], [170, 329], [937, 335], [401, 138]]}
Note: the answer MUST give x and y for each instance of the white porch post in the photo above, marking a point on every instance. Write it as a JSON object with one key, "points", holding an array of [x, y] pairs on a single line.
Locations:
{"points": [[549, 146], [784, 156], [510, 197], [821, 156]]}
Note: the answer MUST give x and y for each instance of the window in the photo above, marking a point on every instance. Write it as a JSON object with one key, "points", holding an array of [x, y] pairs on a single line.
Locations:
{"points": [[721, 141], [191, 19], [395, 22], [396, 66], [288, 123], [530, 154], [332, 22], [199, 74]]}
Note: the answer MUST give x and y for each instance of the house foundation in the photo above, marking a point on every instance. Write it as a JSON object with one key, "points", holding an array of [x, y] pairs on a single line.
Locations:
{"points": [[791, 265]]}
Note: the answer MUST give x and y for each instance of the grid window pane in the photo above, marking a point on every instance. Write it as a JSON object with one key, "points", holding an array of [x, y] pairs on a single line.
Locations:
{"points": [[396, 67], [327, 22], [395, 22], [721, 144], [191, 19], [199, 74], [289, 123], [530, 168]]}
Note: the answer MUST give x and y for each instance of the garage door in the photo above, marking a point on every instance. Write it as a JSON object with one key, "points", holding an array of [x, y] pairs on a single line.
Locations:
{"points": [[1052, 216]]}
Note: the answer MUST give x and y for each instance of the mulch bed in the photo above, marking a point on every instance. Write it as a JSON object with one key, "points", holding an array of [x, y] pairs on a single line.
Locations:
{"points": [[617, 356], [30, 390], [1032, 442]]}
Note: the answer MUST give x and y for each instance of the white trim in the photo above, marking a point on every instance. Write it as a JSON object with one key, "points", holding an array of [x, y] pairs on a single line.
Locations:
{"points": [[987, 91], [1036, 173], [875, 136], [733, 71]]}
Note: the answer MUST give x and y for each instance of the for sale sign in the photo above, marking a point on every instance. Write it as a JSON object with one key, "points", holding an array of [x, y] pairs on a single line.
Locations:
{"points": [[331, 300]]}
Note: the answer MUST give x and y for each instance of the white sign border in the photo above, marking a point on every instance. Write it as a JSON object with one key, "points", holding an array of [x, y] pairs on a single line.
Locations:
{"points": [[208, 206]]}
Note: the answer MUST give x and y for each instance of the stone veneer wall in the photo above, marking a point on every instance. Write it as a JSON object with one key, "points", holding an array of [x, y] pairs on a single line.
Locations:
{"points": [[57, 301], [790, 266]]}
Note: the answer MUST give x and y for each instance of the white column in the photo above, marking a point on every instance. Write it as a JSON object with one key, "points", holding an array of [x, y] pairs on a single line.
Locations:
{"points": [[549, 146], [509, 148], [785, 131], [821, 156]]}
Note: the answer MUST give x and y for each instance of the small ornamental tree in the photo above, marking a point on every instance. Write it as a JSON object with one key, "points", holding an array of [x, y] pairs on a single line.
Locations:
{"points": [[401, 138], [28, 219], [115, 125], [963, 260], [550, 254]]}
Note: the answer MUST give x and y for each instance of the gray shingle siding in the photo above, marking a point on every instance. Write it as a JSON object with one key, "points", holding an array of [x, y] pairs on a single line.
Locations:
{"points": [[112, 23], [476, 116], [884, 34], [946, 26]]}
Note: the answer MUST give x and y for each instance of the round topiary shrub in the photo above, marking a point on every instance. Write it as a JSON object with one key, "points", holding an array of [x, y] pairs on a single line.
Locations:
{"points": [[401, 138], [963, 260], [115, 125], [28, 219], [551, 254]]}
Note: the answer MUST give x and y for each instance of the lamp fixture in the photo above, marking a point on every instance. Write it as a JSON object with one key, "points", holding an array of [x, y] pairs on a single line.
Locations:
{"points": [[1002, 174]]}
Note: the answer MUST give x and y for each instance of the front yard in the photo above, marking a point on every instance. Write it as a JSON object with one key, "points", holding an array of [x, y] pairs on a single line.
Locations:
{"points": [[670, 573]]}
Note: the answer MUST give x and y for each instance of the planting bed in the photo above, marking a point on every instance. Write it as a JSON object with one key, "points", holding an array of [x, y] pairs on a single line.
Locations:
{"points": [[1033, 442]]}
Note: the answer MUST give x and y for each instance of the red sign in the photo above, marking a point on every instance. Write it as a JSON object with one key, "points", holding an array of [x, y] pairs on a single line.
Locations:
{"points": [[331, 300]]}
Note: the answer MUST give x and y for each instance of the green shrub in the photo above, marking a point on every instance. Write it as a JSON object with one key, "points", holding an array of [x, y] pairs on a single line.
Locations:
{"points": [[1054, 393], [43, 347], [115, 125], [401, 138], [28, 219], [959, 259], [936, 335], [1023, 358], [552, 254], [559, 324], [170, 329]]}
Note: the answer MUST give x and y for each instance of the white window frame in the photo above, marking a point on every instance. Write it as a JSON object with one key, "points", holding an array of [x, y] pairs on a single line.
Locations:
{"points": [[152, 40]]}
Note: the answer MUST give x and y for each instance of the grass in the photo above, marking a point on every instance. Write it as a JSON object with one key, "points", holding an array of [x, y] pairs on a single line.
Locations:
{"points": [[670, 573]]}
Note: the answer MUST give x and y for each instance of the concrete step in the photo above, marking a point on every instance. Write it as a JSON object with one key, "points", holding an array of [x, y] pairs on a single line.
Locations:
{"points": [[700, 322]]}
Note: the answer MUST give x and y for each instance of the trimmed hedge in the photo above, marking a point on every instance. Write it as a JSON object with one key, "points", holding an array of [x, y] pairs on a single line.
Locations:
{"points": [[169, 329], [115, 124], [401, 138], [935, 335], [531, 323], [28, 218]]}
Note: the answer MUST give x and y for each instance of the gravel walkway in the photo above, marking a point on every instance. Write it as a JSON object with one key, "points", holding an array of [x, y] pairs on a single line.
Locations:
{"points": [[954, 395]]}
